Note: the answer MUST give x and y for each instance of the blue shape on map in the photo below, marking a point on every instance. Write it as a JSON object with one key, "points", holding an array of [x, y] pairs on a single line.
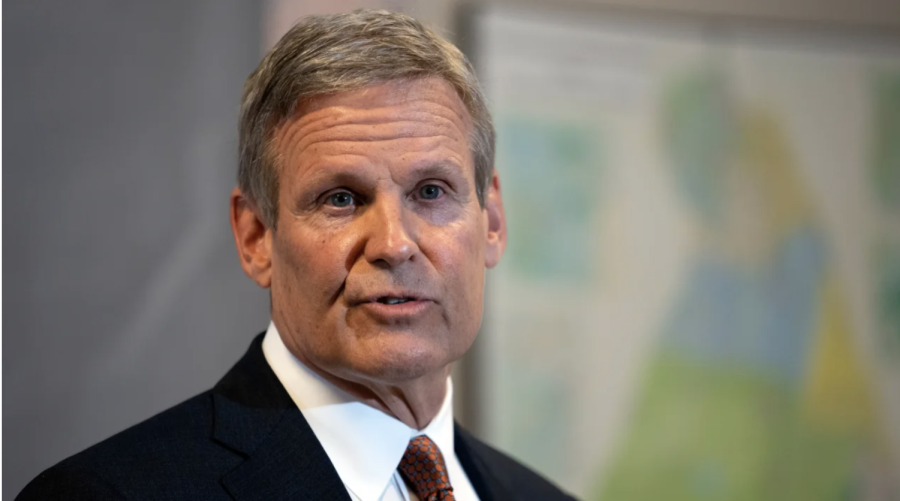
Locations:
{"points": [[758, 319]]}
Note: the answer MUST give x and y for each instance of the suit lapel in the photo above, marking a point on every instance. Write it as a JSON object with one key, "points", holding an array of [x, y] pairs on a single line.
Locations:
{"points": [[289, 464], [484, 480], [256, 418]]}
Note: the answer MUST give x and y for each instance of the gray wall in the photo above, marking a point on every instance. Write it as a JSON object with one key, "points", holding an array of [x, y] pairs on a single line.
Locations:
{"points": [[122, 292]]}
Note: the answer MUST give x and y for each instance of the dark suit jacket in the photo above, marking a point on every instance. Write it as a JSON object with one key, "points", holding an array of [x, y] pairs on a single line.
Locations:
{"points": [[245, 439]]}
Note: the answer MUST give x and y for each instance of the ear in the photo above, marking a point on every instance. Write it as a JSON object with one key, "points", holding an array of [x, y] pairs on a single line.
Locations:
{"points": [[496, 223], [252, 238]]}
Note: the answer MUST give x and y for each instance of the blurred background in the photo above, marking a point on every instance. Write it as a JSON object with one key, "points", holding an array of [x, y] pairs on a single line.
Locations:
{"points": [[701, 296]]}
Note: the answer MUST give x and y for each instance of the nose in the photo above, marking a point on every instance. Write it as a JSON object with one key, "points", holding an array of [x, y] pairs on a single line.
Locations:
{"points": [[390, 241]]}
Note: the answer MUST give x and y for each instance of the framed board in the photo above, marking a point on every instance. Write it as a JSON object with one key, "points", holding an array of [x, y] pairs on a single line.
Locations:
{"points": [[701, 294]]}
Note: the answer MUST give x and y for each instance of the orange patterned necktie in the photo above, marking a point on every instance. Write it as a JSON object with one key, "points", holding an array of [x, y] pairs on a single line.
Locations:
{"points": [[424, 469]]}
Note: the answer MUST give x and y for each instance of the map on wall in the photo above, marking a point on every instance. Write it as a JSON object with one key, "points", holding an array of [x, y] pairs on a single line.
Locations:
{"points": [[701, 294]]}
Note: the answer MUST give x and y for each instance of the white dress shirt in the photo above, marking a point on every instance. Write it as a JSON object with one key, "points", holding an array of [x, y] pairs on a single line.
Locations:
{"points": [[364, 444]]}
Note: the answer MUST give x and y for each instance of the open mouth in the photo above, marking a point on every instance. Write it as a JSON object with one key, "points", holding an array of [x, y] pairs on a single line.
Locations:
{"points": [[394, 300]]}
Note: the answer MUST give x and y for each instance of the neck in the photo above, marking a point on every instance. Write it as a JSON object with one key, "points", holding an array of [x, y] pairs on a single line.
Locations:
{"points": [[414, 402]]}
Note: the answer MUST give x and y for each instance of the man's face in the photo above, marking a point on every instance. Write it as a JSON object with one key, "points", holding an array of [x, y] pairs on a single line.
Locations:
{"points": [[378, 259]]}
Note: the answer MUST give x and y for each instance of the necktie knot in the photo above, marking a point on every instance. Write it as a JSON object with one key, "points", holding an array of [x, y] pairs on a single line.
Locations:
{"points": [[424, 469]]}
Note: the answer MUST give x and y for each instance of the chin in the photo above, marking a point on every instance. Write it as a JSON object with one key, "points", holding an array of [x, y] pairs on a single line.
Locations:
{"points": [[396, 361]]}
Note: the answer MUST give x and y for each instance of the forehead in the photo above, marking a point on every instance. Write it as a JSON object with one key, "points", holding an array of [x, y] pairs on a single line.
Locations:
{"points": [[393, 94], [408, 105], [401, 123]]}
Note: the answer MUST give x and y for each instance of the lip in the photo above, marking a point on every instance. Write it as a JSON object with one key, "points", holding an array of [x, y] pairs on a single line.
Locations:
{"points": [[373, 297], [387, 312]]}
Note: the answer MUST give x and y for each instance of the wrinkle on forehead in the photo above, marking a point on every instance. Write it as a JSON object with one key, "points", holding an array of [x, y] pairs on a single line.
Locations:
{"points": [[417, 109], [388, 124]]}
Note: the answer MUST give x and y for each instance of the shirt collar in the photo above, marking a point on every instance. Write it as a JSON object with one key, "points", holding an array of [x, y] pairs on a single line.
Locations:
{"points": [[364, 444]]}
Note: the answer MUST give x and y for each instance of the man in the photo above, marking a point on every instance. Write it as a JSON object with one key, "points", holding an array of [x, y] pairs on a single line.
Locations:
{"points": [[369, 206]]}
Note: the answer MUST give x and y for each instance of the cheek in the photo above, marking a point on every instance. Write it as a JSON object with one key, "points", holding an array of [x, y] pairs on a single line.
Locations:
{"points": [[464, 268], [309, 264], [467, 283]]}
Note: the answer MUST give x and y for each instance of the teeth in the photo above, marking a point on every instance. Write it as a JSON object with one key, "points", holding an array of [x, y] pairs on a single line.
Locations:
{"points": [[392, 300]]}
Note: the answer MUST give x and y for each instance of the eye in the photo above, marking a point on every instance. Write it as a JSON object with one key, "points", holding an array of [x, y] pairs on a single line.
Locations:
{"points": [[340, 199], [430, 191]]}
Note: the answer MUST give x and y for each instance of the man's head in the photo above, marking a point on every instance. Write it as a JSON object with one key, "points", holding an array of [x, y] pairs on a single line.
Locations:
{"points": [[341, 52], [367, 196]]}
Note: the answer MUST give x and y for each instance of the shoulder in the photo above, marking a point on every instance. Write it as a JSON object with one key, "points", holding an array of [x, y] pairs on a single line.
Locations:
{"points": [[167, 452], [69, 479], [519, 480]]}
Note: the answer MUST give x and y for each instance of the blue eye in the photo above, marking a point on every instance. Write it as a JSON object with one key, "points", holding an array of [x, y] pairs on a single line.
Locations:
{"points": [[430, 191], [340, 199]]}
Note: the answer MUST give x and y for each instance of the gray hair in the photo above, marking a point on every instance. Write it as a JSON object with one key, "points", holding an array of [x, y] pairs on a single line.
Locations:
{"points": [[343, 52]]}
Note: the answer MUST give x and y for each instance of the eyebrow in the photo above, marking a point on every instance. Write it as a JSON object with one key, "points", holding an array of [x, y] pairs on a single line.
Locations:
{"points": [[346, 174], [437, 169]]}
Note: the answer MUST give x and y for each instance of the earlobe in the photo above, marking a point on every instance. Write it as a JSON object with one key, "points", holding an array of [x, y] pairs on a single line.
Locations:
{"points": [[252, 239], [496, 223]]}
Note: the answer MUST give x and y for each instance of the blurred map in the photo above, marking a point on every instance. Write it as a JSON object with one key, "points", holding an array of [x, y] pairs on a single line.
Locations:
{"points": [[701, 294], [540, 222], [755, 390], [886, 183]]}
